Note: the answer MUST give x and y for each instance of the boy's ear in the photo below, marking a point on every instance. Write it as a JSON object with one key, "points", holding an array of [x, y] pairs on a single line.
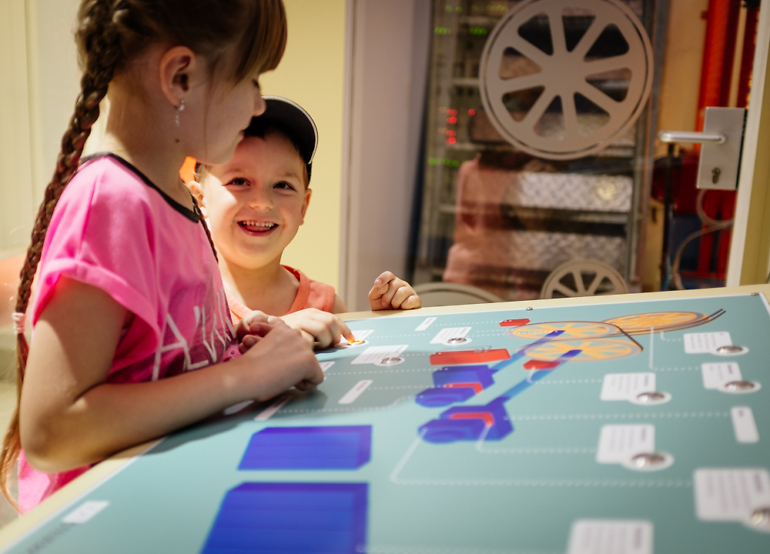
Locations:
{"points": [[197, 191], [305, 204], [176, 67]]}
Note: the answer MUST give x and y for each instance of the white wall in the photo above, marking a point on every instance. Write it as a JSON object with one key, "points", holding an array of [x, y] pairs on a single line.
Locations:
{"points": [[15, 145], [388, 66]]}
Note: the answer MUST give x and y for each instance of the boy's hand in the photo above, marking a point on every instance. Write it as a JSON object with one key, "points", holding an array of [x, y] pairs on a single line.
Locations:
{"points": [[390, 292], [319, 328]]}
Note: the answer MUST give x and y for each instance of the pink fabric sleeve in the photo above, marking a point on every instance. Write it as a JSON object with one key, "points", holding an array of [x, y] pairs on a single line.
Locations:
{"points": [[106, 248]]}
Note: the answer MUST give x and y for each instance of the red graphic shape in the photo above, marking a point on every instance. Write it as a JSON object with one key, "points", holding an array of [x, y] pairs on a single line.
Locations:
{"points": [[488, 418], [475, 386], [469, 357], [514, 322], [540, 364]]}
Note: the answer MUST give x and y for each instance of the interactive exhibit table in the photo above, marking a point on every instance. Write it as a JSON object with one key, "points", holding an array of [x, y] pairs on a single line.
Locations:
{"points": [[626, 425]]}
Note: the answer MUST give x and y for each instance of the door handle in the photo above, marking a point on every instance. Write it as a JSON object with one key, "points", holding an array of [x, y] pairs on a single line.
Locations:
{"points": [[685, 137], [722, 140]]}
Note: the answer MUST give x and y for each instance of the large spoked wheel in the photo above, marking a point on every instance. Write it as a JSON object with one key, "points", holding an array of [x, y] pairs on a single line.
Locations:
{"points": [[569, 330], [583, 278], [576, 112], [589, 350], [657, 321]]}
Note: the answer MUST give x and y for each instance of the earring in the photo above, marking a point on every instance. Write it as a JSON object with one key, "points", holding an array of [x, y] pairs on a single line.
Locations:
{"points": [[179, 108]]}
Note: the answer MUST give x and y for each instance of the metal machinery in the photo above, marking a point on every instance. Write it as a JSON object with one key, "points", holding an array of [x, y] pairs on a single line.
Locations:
{"points": [[538, 140]]}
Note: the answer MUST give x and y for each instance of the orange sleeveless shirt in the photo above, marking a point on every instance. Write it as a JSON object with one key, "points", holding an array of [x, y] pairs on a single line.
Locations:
{"points": [[310, 294]]}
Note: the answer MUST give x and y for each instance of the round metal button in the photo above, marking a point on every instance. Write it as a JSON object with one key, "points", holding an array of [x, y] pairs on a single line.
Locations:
{"points": [[649, 460], [653, 397], [740, 386], [731, 350], [761, 517]]}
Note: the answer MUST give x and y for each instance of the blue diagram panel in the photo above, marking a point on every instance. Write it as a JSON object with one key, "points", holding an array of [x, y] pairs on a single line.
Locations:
{"points": [[291, 517], [332, 447]]}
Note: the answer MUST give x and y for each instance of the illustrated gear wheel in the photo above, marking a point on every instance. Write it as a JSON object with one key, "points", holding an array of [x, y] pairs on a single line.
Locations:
{"points": [[572, 330], [590, 350], [638, 324], [564, 74]]}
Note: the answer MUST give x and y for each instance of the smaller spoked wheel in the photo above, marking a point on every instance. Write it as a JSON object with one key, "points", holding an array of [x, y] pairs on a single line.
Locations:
{"points": [[638, 324], [587, 350], [583, 278], [569, 330]]}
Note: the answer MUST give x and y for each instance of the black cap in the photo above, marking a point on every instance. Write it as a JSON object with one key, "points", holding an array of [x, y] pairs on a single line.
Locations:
{"points": [[292, 119]]}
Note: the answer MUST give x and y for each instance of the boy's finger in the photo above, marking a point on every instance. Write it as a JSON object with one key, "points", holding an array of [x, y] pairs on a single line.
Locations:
{"points": [[411, 303], [310, 339], [384, 278], [346, 332], [401, 295], [395, 286]]}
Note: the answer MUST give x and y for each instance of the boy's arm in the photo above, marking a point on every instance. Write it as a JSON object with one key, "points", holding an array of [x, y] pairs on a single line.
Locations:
{"points": [[320, 329], [391, 293]]}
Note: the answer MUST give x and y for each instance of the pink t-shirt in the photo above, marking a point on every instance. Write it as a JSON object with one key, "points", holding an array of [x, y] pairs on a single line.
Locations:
{"points": [[115, 230]]}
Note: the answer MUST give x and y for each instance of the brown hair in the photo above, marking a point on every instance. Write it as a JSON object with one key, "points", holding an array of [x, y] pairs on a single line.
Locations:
{"points": [[110, 34]]}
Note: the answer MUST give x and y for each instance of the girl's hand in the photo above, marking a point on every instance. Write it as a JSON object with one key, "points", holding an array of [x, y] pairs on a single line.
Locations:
{"points": [[251, 328], [320, 329], [390, 292], [278, 359]]}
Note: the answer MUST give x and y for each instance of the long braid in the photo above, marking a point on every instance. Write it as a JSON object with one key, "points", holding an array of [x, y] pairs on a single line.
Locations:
{"points": [[205, 227], [100, 48]]}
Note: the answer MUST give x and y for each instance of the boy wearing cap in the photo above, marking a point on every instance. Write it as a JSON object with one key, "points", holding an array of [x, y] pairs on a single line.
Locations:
{"points": [[254, 205]]}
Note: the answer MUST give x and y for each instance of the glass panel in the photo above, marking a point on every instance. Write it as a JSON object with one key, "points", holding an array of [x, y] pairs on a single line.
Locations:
{"points": [[540, 142]]}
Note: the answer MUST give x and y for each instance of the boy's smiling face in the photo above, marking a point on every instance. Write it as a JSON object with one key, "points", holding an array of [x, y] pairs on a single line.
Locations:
{"points": [[256, 202]]}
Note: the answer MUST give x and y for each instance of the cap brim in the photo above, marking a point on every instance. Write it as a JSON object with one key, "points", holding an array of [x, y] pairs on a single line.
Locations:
{"points": [[295, 120]]}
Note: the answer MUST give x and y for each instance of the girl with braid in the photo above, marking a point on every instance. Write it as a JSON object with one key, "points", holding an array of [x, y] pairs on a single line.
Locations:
{"points": [[132, 336]]}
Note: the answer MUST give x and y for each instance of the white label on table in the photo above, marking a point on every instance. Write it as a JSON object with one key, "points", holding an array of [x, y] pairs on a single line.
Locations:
{"points": [[268, 412], [358, 335], [425, 324], [326, 365], [85, 511], [375, 354], [235, 408], [355, 392], [619, 443], [626, 386], [730, 494], [703, 343], [744, 425], [610, 536], [450, 333], [717, 375]]}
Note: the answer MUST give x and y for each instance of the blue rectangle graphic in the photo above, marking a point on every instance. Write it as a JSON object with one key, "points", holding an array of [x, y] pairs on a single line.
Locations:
{"points": [[248, 522], [303, 448]]}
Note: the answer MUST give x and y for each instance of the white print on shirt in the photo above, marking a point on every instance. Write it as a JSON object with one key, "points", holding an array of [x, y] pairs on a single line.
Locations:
{"points": [[222, 308], [179, 341]]}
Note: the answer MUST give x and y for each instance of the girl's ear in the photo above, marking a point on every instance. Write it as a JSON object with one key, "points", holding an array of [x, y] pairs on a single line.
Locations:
{"points": [[197, 191], [178, 67], [305, 204]]}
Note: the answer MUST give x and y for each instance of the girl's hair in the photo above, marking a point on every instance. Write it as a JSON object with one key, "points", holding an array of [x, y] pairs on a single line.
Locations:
{"points": [[240, 37]]}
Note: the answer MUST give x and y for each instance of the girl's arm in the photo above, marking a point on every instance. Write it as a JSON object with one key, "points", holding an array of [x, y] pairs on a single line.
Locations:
{"points": [[70, 417]]}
